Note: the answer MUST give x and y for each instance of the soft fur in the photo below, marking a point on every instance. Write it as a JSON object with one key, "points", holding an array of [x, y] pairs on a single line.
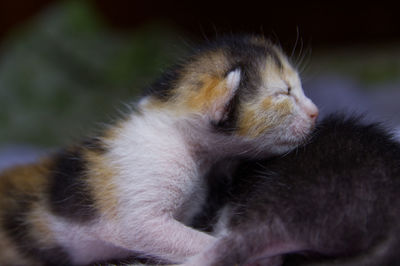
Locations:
{"points": [[132, 189], [334, 201]]}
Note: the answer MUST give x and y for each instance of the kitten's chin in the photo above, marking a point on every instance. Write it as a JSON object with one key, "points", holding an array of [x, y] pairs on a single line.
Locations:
{"points": [[270, 145], [285, 146], [290, 143], [263, 151], [282, 149]]}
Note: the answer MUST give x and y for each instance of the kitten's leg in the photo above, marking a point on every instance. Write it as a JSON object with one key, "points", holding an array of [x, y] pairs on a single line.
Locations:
{"points": [[236, 249], [163, 238], [223, 252]]}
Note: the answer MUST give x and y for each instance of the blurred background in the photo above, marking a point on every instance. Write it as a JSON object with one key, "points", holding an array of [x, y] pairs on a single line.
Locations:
{"points": [[68, 66]]}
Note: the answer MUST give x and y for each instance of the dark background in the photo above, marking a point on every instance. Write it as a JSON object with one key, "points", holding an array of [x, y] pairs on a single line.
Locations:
{"points": [[323, 23]]}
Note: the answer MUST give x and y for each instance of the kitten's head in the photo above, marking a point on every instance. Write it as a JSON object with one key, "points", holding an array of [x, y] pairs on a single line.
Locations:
{"points": [[247, 90]]}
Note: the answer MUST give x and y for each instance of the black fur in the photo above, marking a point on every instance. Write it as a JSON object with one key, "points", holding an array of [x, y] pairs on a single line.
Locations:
{"points": [[219, 184], [15, 225], [249, 57], [69, 195], [337, 197], [163, 86], [242, 52], [94, 144]]}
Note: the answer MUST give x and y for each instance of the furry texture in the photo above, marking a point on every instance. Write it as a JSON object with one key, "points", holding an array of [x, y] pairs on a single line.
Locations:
{"points": [[133, 189], [334, 201]]}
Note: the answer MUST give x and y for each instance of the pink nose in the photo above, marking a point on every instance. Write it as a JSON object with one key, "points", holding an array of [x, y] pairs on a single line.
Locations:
{"points": [[311, 110], [314, 114]]}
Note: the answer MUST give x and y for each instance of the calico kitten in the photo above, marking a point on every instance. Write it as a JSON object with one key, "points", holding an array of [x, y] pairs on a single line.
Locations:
{"points": [[336, 199], [132, 189]]}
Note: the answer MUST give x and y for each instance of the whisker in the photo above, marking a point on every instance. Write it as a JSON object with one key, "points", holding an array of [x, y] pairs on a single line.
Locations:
{"points": [[296, 42], [300, 52], [303, 65]]}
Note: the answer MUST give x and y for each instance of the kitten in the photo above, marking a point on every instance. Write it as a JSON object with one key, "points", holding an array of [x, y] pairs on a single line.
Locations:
{"points": [[336, 199], [133, 189]]}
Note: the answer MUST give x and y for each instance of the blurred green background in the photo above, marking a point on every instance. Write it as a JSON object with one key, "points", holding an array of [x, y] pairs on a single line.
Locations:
{"points": [[66, 69]]}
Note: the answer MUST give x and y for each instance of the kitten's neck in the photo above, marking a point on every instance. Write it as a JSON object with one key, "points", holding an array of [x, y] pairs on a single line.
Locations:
{"points": [[160, 131], [196, 134], [205, 143]]}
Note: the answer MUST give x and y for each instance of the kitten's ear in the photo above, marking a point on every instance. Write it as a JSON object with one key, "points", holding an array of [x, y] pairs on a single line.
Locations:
{"points": [[226, 90]]}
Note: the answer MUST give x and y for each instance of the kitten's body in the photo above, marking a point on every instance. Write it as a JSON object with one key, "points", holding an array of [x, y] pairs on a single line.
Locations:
{"points": [[336, 199], [131, 190]]}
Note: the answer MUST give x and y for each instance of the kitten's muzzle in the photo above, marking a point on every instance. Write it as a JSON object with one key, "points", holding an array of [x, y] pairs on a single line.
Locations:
{"points": [[311, 110]]}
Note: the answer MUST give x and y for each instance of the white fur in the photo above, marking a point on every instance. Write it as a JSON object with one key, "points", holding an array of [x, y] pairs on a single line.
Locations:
{"points": [[159, 168], [233, 79], [82, 243], [159, 159]]}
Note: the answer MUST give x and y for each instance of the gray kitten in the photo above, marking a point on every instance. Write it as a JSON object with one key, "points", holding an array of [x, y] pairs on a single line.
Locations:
{"points": [[334, 201]]}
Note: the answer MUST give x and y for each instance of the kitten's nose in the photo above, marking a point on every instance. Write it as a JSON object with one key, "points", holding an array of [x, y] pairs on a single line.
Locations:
{"points": [[311, 110]]}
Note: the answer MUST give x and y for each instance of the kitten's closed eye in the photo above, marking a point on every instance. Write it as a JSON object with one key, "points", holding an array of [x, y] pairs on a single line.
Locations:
{"points": [[287, 91], [284, 92]]}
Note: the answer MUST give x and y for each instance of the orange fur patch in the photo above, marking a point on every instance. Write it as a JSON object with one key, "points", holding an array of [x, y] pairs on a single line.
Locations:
{"points": [[246, 122], [251, 124], [254, 121], [284, 107], [16, 183], [266, 104], [28, 179], [10, 254], [100, 179], [201, 83], [213, 89], [154, 103], [40, 229]]}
